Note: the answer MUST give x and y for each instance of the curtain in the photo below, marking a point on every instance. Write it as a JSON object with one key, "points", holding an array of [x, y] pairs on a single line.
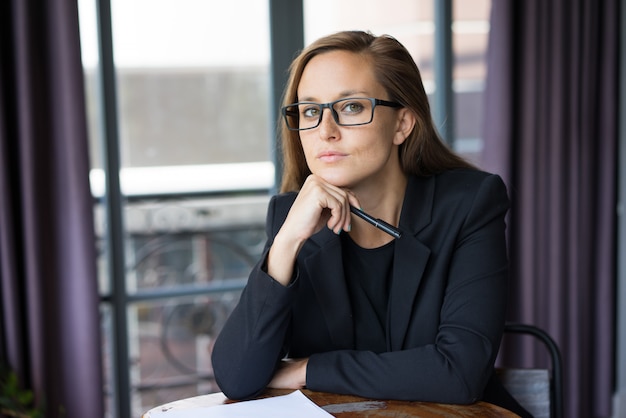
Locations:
{"points": [[551, 131], [49, 315]]}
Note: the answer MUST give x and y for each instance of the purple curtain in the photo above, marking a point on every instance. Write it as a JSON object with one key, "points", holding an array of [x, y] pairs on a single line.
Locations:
{"points": [[49, 320], [551, 132]]}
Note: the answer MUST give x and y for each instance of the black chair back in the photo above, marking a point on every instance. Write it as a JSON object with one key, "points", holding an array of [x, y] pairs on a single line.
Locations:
{"points": [[539, 391]]}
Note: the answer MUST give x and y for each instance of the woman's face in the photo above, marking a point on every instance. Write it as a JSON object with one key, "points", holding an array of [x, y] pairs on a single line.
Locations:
{"points": [[349, 156]]}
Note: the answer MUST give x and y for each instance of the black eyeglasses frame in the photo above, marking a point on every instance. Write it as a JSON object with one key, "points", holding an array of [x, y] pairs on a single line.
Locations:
{"points": [[375, 102]]}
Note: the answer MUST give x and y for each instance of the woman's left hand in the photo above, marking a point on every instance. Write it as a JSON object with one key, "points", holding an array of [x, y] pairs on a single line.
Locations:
{"points": [[291, 374]]}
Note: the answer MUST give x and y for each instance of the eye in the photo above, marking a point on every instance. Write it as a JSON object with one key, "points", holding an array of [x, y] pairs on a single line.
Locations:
{"points": [[352, 107], [310, 111]]}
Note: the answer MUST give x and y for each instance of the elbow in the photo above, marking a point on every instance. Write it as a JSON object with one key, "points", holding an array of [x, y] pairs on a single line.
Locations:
{"points": [[236, 381], [466, 392], [459, 387], [467, 399], [461, 395], [237, 394], [240, 375], [237, 388]]}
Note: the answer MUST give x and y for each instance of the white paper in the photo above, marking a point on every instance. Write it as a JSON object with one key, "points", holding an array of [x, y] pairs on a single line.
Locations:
{"points": [[296, 404]]}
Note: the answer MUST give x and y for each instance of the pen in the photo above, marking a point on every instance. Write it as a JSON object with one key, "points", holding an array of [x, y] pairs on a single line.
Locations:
{"points": [[380, 224]]}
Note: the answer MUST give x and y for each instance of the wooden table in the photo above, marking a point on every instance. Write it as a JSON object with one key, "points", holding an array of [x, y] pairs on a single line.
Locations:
{"points": [[345, 406]]}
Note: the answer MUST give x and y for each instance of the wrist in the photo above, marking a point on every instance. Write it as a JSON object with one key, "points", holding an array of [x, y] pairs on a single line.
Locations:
{"points": [[281, 258], [303, 368], [289, 245]]}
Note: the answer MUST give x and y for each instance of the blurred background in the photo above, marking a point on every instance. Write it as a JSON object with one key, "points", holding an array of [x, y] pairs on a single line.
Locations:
{"points": [[148, 127]]}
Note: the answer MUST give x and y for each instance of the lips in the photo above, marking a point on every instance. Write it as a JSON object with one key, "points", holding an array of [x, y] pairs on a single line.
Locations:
{"points": [[330, 156]]}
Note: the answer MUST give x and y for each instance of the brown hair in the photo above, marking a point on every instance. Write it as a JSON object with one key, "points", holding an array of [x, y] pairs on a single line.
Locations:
{"points": [[423, 153]]}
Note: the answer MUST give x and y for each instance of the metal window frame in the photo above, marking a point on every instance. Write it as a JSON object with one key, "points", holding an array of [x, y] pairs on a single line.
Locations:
{"points": [[443, 106], [113, 208]]}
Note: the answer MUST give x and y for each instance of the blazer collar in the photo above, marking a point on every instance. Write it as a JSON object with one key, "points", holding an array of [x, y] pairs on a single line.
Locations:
{"points": [[418, 204]]}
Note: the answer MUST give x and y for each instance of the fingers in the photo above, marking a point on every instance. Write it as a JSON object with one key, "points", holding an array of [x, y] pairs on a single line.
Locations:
{"points": [[333, 202], [318, 205], [345, 223]]}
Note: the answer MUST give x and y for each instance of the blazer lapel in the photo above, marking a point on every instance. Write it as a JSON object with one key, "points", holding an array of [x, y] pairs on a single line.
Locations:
{"points": [[410, 260], [325, 268], [410, 257]]}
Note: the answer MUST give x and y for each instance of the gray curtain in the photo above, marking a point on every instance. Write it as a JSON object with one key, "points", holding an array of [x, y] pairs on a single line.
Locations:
{"points": [[551, 132], [49, 315]]}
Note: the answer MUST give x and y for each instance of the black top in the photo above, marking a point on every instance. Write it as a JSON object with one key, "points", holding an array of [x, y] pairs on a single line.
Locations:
{"points": [[368, 275]]}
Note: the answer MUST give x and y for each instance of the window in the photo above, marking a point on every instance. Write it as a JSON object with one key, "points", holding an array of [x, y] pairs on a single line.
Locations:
{"points": [[193, 137], [470, 31], [181, 115]]}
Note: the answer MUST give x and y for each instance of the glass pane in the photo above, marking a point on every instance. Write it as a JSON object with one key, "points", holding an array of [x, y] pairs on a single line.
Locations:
{"points": [[195, 141], [106, 329], [194, 242], [170, 339], [470, 34], [409, 21], [185, 95], [171, 347]]}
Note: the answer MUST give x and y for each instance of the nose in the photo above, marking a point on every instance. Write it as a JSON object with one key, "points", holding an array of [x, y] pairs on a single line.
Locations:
{"points": [[328, 128]]}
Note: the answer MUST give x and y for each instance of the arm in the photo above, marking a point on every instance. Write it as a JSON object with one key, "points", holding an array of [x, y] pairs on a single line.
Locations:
{"points": [[252, 341], [465, 284], [250, 344]]}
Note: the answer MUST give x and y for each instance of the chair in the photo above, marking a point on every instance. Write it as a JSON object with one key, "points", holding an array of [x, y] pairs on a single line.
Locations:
{"points": [[539, 391]]}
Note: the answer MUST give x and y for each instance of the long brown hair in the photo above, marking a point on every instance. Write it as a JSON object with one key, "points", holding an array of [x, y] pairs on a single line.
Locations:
{"points": [[423, 153]]}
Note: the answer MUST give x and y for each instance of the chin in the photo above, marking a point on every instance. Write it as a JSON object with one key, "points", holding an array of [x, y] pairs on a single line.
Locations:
{"points": [[337, 180]]}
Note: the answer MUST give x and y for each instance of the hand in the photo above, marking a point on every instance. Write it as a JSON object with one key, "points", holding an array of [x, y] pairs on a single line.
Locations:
{"points": [[291, 374], [318, 204]]}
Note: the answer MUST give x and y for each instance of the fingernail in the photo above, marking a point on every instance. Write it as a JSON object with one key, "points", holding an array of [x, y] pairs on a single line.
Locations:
{"points": [[349, 227], [338, 231]]}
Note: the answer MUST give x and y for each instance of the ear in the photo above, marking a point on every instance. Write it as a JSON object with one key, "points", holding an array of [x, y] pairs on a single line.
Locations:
{"points": [[404, 126]]}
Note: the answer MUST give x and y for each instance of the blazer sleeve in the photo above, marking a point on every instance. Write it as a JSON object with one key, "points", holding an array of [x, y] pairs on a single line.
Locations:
{"points": [[250, 344], [467, 316]]}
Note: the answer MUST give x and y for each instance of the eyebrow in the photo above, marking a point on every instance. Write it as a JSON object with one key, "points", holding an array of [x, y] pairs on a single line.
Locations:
{"points": [[342, 95]]}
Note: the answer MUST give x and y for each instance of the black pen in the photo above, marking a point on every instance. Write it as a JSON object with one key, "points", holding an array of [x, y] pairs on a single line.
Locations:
{"points": [[380, 224]]}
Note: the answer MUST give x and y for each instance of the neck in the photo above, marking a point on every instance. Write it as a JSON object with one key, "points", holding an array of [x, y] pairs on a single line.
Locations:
{"points": [[384, 202]]}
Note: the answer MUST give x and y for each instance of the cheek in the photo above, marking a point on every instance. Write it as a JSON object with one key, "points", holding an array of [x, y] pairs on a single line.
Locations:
{"points": [[376, 147], [306, 147], [371, 152]]}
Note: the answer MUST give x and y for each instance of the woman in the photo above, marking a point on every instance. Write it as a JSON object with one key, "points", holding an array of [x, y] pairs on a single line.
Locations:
{"points": [[338, 305]]}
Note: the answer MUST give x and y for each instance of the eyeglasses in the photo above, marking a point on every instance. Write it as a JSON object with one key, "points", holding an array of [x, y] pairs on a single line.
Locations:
{"points": [[352, 111]]}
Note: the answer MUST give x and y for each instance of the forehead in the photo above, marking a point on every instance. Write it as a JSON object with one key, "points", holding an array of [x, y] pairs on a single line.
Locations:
{"points": [[335, 74]]}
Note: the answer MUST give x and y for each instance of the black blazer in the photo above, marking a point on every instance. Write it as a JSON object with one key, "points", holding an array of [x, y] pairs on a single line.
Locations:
{"points": [[446, 308]]}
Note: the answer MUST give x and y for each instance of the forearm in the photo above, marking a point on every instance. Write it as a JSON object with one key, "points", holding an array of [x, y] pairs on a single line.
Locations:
{"points": [[250, 345], [281, 258], [418, 374]]}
